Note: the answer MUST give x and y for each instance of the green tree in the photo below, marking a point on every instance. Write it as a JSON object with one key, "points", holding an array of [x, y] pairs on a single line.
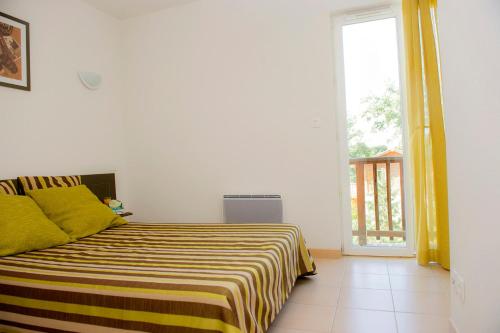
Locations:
{"points": [[357, 143], [361, 149], [383, 112]]}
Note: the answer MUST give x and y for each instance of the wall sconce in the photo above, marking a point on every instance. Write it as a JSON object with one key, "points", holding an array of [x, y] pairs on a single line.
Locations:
{"points": [[90, 80]]}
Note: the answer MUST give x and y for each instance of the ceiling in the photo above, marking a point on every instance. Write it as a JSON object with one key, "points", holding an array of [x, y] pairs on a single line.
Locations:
{"points": [[124, 9]]}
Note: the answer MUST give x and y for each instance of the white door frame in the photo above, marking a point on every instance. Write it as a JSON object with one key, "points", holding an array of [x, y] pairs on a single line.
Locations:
{"points": [[360, 16]]}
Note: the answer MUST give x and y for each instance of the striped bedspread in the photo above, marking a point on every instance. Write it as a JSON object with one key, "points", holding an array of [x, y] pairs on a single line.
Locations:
{"points": [[156, 278]]}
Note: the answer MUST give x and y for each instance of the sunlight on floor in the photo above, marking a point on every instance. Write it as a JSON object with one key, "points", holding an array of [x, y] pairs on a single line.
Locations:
{"points": [[368, 295]]}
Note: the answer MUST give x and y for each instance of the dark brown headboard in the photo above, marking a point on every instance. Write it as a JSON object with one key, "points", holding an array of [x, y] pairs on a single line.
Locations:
{"points": [[102, 185]]}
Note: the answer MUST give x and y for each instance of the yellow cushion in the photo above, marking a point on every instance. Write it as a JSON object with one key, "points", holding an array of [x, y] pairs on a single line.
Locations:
{"points": [[24, 227], [75, 210], [8, 187], [43, 182]]}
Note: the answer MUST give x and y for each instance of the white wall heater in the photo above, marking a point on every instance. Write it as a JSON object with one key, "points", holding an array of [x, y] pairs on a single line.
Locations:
{"points": [[248, 208]]}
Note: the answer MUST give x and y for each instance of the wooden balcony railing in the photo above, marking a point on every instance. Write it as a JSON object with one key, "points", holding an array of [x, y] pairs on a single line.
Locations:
{"points": [[366, 172]]}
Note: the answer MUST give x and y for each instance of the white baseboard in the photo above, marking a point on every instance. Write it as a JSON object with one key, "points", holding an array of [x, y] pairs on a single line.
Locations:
{"points": [[326, 253]]}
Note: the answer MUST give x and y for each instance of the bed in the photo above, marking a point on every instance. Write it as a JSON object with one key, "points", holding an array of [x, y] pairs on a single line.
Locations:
{"points": [[156, 278]]}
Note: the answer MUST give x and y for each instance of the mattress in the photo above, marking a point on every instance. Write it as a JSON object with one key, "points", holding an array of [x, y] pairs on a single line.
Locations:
{"points": [[156, 278]]}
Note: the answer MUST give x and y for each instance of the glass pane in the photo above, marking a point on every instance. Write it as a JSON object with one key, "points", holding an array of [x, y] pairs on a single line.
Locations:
{"points": [[375, 135]]}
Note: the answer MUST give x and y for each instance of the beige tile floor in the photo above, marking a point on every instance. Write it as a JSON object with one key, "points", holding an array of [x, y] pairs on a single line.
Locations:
{"points": [[368, 295]]}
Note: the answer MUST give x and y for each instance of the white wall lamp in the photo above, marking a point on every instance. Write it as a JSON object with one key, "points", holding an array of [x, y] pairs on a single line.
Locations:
{"points": [[90, 80]]}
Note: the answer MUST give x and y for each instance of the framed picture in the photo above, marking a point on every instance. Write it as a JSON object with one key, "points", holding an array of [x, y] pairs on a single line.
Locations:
{"points": [[14, 53]]}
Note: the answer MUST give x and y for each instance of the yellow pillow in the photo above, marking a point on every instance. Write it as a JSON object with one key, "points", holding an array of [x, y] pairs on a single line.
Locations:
{"points": [[42, 182], [8, 187], [23, 227], [75, 210]]}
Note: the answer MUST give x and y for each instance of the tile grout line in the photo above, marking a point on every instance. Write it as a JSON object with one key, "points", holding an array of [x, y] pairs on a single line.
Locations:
{"points": [[392, 297], [338, 297]]}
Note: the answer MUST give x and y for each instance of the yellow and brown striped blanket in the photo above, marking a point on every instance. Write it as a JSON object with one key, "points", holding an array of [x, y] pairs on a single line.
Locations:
{"points": [[156, 278]]}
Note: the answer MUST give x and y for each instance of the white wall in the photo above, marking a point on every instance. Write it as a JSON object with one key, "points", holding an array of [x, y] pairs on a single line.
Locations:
{"points": [[60, 127], [221, 95], [221, 98], [470, 49]]}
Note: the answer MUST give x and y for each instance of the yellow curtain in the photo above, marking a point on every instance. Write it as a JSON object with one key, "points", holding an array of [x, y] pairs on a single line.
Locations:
{"points": [[426, 130]]}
